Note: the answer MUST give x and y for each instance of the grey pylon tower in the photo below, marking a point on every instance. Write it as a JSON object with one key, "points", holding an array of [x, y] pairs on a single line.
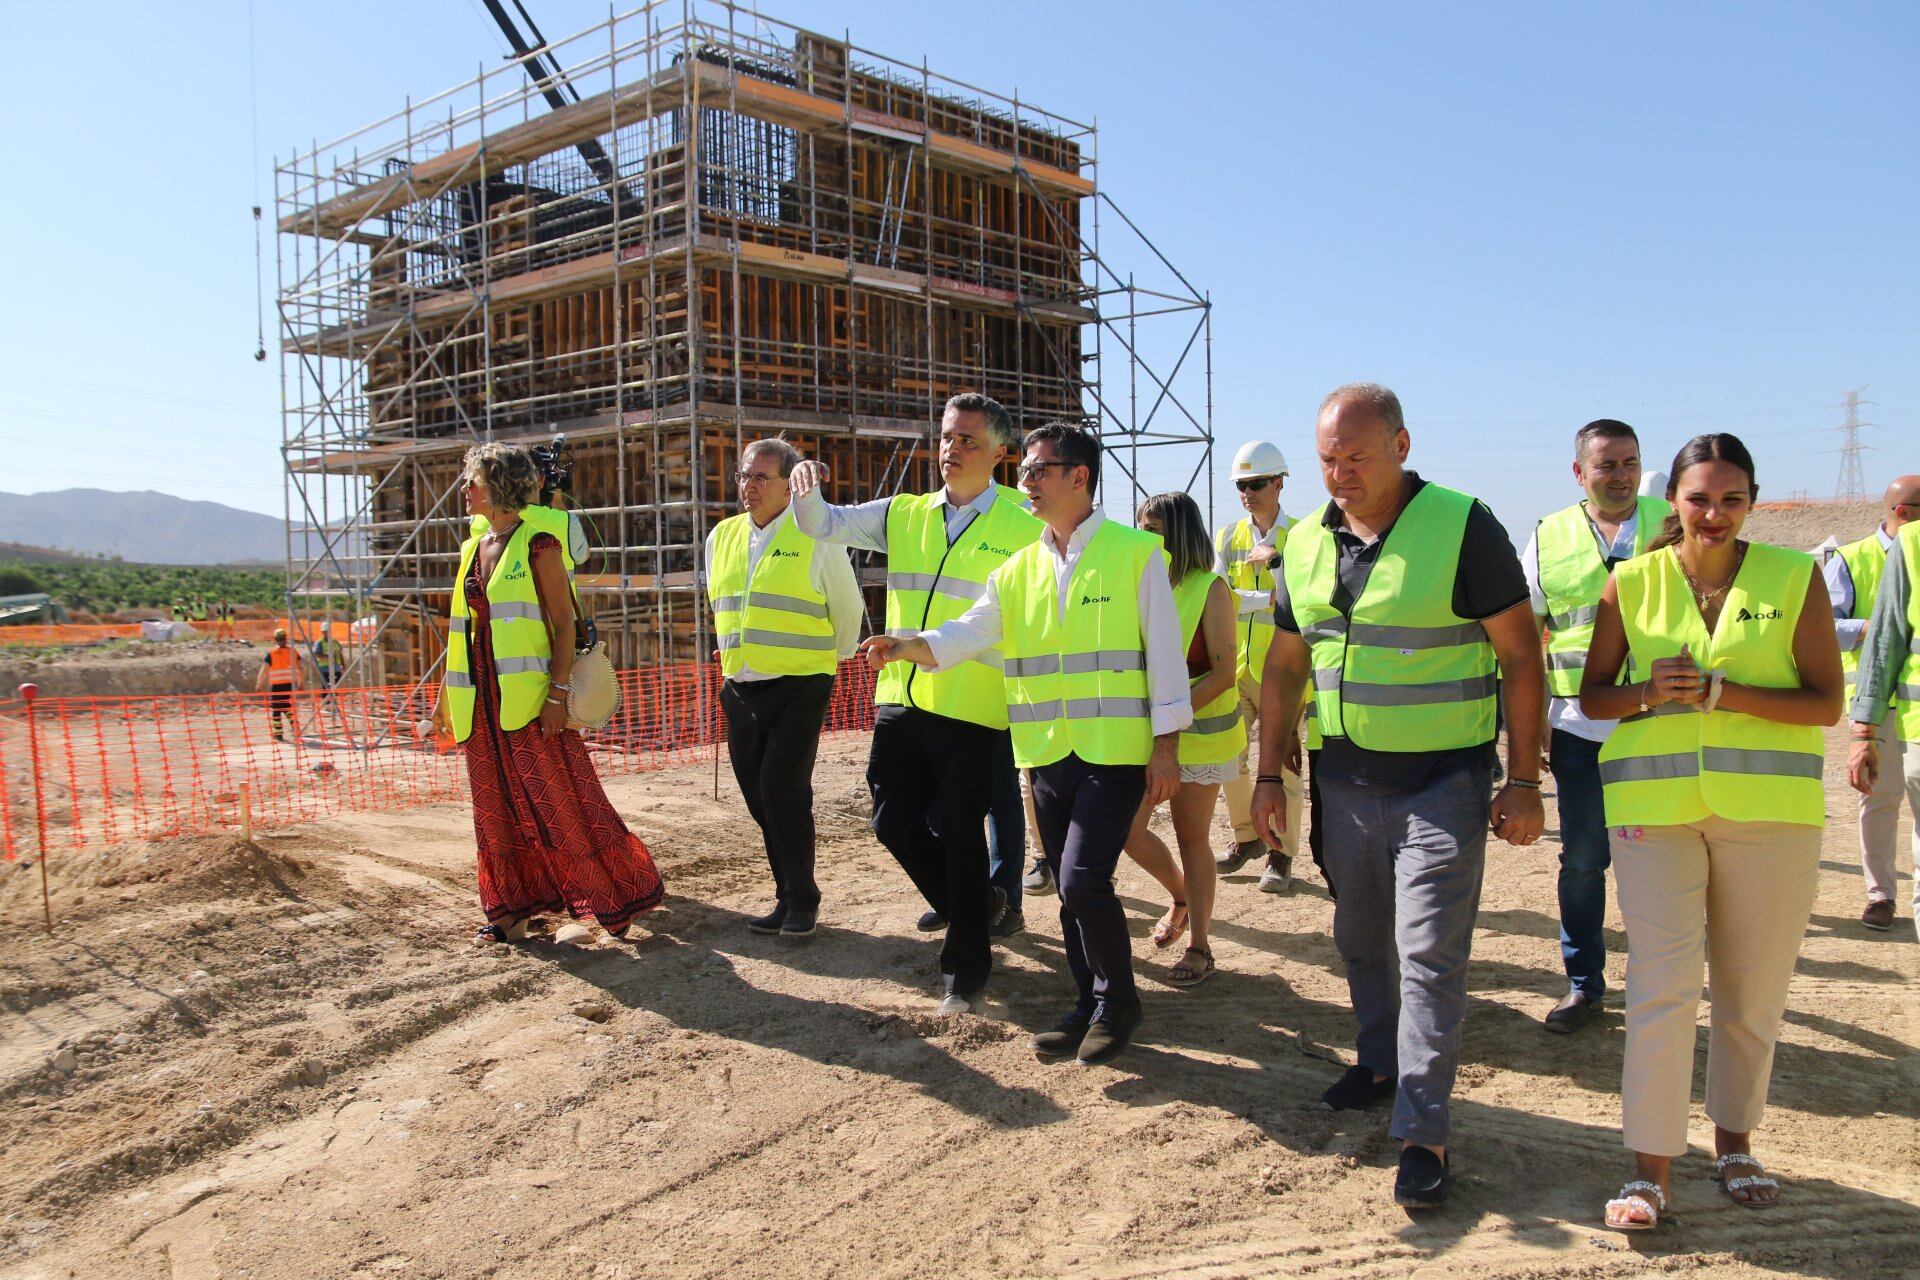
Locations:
{"points": [[1853, 482]]}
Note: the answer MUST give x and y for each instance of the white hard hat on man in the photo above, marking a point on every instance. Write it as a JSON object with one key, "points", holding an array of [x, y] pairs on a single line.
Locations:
{"points": [[1258, 458]]}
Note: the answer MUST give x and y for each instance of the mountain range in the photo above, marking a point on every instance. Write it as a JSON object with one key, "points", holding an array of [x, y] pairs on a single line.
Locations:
{"points": [[141, 526]]}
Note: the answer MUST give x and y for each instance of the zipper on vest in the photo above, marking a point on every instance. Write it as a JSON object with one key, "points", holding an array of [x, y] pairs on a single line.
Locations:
{"points": [[926, 610]]}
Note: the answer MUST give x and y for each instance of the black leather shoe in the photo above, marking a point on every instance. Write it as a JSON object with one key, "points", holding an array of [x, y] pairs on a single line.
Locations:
{"points": [[930, 921], [1111, 1032], [1356, 1090], [1064, 1040], [1009, 923], [770, 922], [1571, 1014], [1422, 1181], [798, 924]]}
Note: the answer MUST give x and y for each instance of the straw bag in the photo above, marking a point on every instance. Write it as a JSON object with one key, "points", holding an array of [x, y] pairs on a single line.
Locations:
{"points": [[595, 692]]}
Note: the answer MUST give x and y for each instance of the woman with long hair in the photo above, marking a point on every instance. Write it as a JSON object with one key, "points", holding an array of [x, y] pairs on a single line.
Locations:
{"points": [[1712, 787], [548, 838], [1210, 751]]}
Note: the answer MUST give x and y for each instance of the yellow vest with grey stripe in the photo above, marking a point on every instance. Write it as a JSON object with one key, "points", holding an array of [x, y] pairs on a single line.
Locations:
{"points": [[1673, 765], [1253, 633], [1572, 576], [562, 525], [773, 619], [1906, 693], [931, 582], [1218, 733], [516, 629], [1403, 671], [1866, 563], [1078, 684]]}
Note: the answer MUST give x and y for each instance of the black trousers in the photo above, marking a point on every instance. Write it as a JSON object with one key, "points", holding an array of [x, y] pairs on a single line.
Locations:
{"points": [[773, 732], [932, 779], [1085, 811]]}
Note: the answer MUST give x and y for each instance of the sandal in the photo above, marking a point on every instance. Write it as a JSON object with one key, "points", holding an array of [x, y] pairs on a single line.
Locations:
{"points": [[1759, 1181], [1642, 1194], [1166, 931], [488, 934], [1186, 973]]}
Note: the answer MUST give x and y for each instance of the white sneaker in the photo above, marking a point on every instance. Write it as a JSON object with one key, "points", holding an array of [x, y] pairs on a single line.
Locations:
{"points": [[956, 1003]]}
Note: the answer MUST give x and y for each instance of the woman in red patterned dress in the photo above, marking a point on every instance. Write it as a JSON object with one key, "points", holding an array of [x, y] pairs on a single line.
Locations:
{"points": [[548, 838]]}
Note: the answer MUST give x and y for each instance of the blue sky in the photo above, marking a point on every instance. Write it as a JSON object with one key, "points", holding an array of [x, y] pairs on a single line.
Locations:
{"points": [[1693, 216]]}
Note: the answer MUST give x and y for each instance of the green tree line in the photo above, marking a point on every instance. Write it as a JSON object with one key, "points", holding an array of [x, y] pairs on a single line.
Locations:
{"points": [[105, 586]]}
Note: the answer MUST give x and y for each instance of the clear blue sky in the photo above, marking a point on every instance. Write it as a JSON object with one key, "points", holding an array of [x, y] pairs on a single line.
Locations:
{"points": [[1691, 216]]}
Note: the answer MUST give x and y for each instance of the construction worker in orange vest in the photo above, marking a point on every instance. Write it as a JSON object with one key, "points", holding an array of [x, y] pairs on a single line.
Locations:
{"points": [[279, 677]]}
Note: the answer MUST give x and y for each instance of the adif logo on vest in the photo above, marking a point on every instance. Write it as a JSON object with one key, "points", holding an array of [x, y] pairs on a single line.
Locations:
{"points": [[515, 571], [1748, 615], [777, 553], [1085, 600], [998, 551]]}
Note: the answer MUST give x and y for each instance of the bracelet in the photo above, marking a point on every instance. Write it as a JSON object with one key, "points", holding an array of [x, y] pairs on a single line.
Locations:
{"points": [[1531, 784], [1862, 732], [1644, 686], [558, 702], [555, 684], [1271, 777]]}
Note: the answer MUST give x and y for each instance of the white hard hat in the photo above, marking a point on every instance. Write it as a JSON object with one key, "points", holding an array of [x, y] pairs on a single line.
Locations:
{"points": [[1258, 458], [1653, 484]]}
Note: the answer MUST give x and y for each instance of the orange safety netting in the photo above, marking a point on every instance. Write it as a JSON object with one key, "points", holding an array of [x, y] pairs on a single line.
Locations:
{"points": [[258, 630], [112, 769]]}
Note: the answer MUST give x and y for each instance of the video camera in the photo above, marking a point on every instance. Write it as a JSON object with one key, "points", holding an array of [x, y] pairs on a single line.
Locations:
{"points": [[556, 470]]}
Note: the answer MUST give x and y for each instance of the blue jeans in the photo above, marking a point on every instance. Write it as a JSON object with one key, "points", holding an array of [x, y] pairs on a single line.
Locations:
{"points": [[1584, 859], [1007, 827]]}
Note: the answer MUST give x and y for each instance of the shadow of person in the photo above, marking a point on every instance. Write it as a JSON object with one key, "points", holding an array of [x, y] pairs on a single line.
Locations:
{"points": [[684, 977]]}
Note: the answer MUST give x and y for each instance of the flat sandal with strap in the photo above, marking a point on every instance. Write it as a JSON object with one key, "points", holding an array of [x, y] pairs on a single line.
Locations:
{"points": [[1192, 977], [1642, 1194]]}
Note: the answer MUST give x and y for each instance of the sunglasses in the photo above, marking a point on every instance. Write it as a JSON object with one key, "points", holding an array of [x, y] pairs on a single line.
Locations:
{"points": [[1034, 470], [1253, 486]]}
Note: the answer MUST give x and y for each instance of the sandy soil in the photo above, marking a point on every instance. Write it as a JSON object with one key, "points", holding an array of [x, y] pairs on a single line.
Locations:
{"points": [[288, 1062], [136, 669]]}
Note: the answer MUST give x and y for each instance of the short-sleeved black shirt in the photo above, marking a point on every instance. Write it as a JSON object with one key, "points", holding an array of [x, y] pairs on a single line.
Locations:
{"points": [[1489, 581]]}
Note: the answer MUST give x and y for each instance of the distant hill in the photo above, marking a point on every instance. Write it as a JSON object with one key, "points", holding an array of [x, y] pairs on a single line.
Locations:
{"points": [[143, 526], [21, 553]]}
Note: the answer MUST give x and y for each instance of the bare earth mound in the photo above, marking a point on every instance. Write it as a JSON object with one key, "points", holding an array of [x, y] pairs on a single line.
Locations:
{"points": [[285, 1060]]}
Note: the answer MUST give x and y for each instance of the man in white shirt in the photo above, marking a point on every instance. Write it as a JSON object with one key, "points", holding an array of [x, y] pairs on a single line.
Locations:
{"points": [[787, 609]]}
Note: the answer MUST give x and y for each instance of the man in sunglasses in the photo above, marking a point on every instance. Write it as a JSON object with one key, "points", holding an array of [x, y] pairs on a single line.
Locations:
{"points": [[1854, 574], [1246, 554]]}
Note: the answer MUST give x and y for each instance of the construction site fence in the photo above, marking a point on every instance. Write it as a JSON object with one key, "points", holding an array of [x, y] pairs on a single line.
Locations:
{"points": [[87, 773], [253, 630]]}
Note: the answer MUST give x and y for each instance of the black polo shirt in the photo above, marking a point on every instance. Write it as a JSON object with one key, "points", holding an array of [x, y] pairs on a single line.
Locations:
{"points": [[1489, 581]]}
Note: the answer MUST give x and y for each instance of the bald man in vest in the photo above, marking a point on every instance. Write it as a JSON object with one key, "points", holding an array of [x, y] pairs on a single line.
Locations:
{"points": [[1853, 574], [1401, 600]]}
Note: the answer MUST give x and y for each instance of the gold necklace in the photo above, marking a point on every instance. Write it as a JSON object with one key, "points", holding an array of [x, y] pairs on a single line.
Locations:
{"points": [[1703, 597]]}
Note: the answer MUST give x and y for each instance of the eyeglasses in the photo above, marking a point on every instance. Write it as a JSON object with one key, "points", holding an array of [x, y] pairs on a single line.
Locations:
{"points": [[1034, 470], [1253, 486], [753, 477]]}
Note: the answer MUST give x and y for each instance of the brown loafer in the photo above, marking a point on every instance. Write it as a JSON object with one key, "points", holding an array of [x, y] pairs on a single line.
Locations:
{"points": [[1878, 916]]}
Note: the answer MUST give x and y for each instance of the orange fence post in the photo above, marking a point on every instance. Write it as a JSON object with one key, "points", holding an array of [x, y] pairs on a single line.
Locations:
{"points": [[28, 692]]}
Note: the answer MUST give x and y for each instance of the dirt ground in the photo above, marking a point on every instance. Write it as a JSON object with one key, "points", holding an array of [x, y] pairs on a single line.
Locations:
{"points": [[130, 669], [285, 1060]]}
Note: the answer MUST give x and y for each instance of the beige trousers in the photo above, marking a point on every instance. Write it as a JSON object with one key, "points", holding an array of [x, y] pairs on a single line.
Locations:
{"points": [[1742, 892], [1880, 815], [1240, 790]]}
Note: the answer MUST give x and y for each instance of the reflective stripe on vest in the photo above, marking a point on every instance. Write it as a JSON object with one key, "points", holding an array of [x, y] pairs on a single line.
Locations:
{"points": [[1866, 562], [515, 629], [1572, 576], [1403, 672], [774, 621], [1078, 683], [931, 582], [1218, 733], [1672, 765]]}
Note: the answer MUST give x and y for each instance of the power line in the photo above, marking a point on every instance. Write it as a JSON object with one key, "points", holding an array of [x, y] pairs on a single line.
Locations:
{"points": [[1853, 482]]}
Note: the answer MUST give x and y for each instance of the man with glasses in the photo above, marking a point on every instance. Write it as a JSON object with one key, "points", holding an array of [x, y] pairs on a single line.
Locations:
{"points": [[1246, 554], [1854, 573], [940, 738], [785, 611], [1097, 693]]}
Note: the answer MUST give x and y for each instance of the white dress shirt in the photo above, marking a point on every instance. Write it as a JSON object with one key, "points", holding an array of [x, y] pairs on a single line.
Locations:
{"points": [[1840, 591], [1252, 602], [864, 525], [1169, 696], [1564, 713], [832, 576]]}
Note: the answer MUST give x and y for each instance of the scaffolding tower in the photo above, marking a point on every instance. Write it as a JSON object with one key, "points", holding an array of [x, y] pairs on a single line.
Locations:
{"points": [[725, 227]]}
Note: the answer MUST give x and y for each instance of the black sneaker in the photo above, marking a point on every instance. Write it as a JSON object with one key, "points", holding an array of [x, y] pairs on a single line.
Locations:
{"points": [[1064, 1040], [930, 921], [1010, 923], [1111, 1032], [998, 911], [1237, 855], [798, 924], [1357, 1090], [1038, 882], [1422, 1181], [770, 922]]}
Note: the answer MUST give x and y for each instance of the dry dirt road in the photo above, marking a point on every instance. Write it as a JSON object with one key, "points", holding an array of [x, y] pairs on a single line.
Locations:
{"points": [[288, 1062]]}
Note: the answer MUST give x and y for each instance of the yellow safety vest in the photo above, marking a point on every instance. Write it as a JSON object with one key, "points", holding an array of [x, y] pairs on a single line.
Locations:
{"points": [[1906, 694], [1866, 563], [1079, 684], [518, 633], [1403, 672], [774, 620], [544, 520], [1218, 733], [1572, 576], [931, 582], [1673, 765], [1253, 633]]}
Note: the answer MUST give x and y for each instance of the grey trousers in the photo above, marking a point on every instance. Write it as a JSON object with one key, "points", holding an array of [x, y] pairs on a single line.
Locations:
{"points": [[1407, 865]]}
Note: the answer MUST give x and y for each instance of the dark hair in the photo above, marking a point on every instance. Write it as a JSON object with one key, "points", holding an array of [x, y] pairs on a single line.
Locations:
{"points": [[1602, 429], [1182, 531], [1076, 446], [1716, 447], [999, 421]]}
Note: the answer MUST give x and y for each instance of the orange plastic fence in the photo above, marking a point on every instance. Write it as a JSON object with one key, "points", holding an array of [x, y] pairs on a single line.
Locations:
{"points": [[256, 630], [113, 769]]}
